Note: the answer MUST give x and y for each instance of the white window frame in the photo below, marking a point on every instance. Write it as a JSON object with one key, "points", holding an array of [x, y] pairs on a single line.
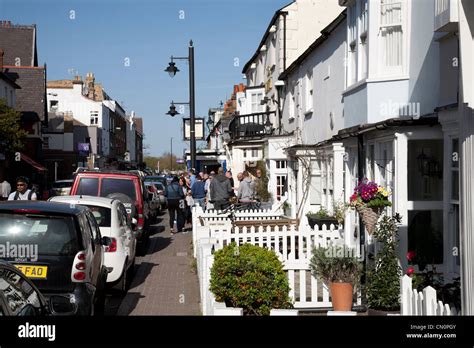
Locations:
{"points": [[316, 189], [94, 118], [352, 45], [255, 99], [291, 105], [389, 65]]}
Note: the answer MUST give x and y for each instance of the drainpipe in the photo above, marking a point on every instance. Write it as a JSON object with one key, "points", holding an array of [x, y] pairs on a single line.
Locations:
{"points": [[361, 175]]}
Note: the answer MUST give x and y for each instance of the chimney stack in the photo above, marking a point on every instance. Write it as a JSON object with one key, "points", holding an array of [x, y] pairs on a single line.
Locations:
{"points": [[90, 85]]}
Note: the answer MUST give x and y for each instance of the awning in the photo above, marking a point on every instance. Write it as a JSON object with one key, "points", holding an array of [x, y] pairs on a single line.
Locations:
{"points": [[34, 164]]}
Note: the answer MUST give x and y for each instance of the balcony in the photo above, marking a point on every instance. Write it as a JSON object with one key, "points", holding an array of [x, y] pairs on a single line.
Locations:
{"points": [[251, 126], [446, 16]]}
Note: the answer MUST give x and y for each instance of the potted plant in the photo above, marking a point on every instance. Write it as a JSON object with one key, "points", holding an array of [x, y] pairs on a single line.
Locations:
{"points": [[340, 269], [383, 275], [369, 199], [323, 217]]}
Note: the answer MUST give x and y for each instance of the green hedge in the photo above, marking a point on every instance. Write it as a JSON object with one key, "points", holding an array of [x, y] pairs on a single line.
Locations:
{"points": [[249, 277]]}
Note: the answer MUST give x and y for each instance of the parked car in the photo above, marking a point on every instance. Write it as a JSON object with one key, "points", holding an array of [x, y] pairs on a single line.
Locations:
{"points": [[65, 255], [153, 196], [124, 186], [155, 178], [20, 297], [61, 187], [161, 195], [114, 222]]}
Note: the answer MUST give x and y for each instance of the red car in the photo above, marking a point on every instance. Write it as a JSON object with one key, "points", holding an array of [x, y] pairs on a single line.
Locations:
{"points": [[124, 186]]}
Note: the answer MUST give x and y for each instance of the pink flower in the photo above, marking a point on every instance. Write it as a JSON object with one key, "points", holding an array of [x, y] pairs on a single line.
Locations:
{"points": [[411, 255], [410, 271]]}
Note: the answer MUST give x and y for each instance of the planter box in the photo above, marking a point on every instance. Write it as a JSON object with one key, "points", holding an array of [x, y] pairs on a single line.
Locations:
{"points": [[314, 221], [377, 312]]}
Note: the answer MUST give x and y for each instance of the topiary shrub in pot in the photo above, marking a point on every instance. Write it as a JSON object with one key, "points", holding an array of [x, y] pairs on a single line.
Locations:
{"points": [[339, 267], [383, 276], [249, 277]]}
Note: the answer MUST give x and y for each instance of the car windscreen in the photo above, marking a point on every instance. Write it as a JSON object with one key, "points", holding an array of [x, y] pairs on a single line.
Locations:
{"points": [[88, 187], [125, 186], [102, 215], [35, 233]]}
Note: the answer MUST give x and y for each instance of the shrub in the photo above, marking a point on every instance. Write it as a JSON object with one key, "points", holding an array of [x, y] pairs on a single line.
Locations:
{"points": [[336, 264], [249, 277], [383, 279]]}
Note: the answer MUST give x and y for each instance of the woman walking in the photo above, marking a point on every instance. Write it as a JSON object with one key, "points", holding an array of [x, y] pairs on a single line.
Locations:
{"points": [[176, 204]]}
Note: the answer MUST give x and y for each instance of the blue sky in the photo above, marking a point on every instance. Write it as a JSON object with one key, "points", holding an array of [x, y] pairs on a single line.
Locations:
{"points": [[105, 33]]}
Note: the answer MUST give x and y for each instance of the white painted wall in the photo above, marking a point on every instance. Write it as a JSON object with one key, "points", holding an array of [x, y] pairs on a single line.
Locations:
{"points": [[326, 64], [71, 100], [131, 134]]}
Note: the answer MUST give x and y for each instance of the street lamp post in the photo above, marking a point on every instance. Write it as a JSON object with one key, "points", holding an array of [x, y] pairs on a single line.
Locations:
{"points": [[172, 70], [171, 155]]}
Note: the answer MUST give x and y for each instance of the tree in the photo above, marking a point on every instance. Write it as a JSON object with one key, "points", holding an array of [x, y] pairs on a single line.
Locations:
{"points": [[165, 162], [11, 134]]}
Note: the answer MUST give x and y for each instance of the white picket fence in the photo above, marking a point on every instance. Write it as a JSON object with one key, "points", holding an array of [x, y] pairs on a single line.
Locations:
{"points": [[292, 247], [414, 302]]}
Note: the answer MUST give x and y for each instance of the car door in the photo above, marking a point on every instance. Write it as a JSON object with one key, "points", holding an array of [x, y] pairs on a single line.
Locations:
{"points": [[126, 230], [91, 230]]}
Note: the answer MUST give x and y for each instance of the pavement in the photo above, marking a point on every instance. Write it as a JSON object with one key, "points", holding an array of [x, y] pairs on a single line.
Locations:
{"points": [[165, 282]]}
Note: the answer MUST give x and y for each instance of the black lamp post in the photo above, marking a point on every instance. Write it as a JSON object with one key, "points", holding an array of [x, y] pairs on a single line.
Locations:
{"points": [[172, 112], [172, 70]]}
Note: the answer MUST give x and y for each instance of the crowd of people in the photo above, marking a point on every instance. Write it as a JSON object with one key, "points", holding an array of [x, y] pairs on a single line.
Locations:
{"points": [[209, 191]]}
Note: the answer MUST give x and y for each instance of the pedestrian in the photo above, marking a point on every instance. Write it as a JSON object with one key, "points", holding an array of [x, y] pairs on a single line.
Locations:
{"points": [[221, 190], [192, 178], [22, 192], [5, 188], [188, 199], [246, 192], [207, 187], [199, 192], [228, 174], [176, 204]]}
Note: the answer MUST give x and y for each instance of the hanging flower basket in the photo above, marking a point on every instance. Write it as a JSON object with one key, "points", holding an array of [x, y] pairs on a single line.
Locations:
{"points": [[370, 200], [370, 216]]}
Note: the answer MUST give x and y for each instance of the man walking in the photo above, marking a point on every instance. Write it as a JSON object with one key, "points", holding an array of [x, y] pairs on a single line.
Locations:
{"points": [[221, 190], [22, 192]]}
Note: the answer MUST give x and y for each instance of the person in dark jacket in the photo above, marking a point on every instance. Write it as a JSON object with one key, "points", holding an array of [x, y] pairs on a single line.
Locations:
{"points": [[221, 190], [176, 205], [198, 191]]}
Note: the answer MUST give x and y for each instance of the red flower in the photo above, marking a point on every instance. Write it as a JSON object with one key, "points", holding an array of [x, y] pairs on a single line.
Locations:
{"points": [[410, 271], [411, 255]]}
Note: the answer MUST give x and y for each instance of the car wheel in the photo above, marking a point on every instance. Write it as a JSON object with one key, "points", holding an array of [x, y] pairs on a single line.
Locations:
{"points": [[100, 295], [124, 281]]}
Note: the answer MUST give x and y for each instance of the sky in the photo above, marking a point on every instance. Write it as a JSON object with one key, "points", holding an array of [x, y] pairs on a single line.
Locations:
{"points": [[127, 44]]}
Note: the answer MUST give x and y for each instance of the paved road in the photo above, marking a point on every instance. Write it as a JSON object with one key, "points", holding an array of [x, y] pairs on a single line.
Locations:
{"points": [[165, 282]]}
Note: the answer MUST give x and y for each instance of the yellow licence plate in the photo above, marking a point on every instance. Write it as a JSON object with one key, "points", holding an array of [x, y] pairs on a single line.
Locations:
{"points": [[37, 272]]}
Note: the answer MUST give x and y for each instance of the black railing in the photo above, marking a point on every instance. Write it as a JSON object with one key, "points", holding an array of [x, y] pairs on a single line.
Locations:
{"points": [[251, 125]]}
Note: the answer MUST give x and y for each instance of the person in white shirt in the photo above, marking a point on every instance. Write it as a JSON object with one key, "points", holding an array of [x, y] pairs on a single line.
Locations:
{"points": [[22, 192], [5, 188]]}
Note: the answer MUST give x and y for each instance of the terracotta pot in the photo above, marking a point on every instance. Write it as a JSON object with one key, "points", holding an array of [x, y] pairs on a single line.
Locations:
{"points": [[341, 295]]}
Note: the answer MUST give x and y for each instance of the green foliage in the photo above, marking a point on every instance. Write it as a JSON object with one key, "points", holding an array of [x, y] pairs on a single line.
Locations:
{"points": [[11, 134], [379, 202], [249, 277], [383, 279], [449, 293], [336, 264]]}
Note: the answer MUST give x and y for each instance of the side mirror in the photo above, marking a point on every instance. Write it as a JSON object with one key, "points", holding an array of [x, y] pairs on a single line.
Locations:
{"points": [[106, 241], [61, 305]]}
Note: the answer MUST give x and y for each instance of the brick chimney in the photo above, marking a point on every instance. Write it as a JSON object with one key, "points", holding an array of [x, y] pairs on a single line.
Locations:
{"points": [[90, 86], [1, 60]]}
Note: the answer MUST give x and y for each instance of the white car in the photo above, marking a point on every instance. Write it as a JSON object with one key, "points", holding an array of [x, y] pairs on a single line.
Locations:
{"points": [[113, 221]]}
